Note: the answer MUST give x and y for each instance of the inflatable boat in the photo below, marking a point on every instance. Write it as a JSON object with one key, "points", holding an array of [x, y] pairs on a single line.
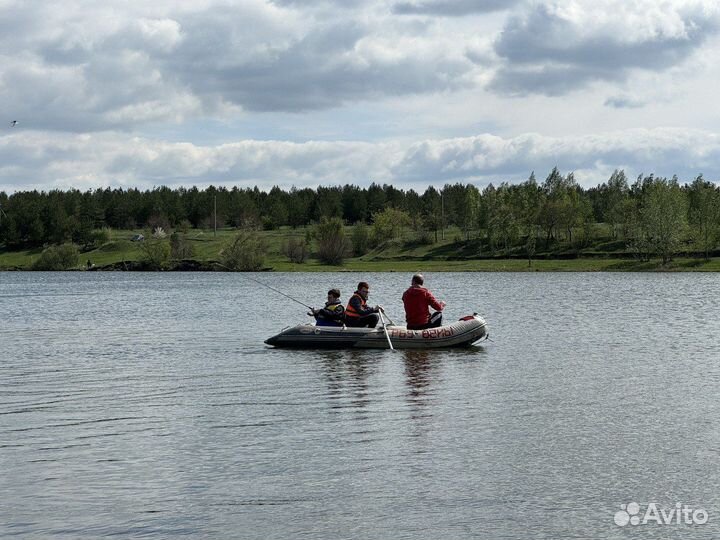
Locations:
{"points": [[461, 333]]}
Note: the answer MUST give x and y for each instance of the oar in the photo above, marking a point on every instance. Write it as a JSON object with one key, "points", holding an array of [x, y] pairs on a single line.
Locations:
{"points": [[382, 320]]}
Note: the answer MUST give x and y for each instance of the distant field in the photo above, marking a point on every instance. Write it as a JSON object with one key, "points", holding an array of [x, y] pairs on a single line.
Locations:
{"points": [[451, 254]]}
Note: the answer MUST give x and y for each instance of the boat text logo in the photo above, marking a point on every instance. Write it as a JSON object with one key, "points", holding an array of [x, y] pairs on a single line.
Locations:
{"points": [[680, 514]]}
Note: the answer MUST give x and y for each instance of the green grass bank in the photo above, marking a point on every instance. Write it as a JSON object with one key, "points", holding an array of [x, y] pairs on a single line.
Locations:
{"points": [[450, 254]]}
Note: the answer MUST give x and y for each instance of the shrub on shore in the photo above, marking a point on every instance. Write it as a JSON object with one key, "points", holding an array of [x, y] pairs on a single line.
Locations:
{"points": [[63, 257], [244, 253], [333, 245], [296, 249], [155, 253], [360, 239], [180, 247]]}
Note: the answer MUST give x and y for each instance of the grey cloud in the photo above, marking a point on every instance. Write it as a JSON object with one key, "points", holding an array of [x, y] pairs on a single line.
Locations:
{"points": [[17, 23], [321, 70], [543, 36], [550, 80], [624, 102], [248, 55], [539, 48], [322, 3], [452, 8], [57, 52], [98, 95], [64, 72]]}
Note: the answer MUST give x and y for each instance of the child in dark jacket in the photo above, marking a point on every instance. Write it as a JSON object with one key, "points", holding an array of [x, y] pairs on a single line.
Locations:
{"points": [[333, 314]]}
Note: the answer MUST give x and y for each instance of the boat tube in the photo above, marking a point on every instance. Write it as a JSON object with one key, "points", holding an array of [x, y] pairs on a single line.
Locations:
{"points": [[461, 333]]}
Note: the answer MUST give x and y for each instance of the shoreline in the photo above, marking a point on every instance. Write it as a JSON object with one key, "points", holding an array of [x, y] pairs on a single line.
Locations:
{"points": [[588, 264]]}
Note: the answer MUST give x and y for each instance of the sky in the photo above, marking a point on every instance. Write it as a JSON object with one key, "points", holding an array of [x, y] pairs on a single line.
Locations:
{"points": [[322, 92]]}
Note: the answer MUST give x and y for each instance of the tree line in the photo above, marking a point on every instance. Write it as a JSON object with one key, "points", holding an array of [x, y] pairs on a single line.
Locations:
{"points": [[652, 216]]}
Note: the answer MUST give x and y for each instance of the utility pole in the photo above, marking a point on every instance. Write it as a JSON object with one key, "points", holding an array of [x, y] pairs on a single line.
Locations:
{"points": [[215, 215], [442, 212]]}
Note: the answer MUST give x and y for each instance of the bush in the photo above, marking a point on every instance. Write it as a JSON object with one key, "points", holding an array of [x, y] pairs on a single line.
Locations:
{"points": [[245, 253], [425, 237], [360, 239], [61, 257], [333, 246], [184, 226], [98, 237], [155, 253], [389, 224], [180, 247], [268, 224], [296, 249]]}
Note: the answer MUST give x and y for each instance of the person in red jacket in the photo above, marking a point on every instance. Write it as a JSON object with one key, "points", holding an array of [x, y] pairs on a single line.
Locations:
{"points": [[416, 300]]}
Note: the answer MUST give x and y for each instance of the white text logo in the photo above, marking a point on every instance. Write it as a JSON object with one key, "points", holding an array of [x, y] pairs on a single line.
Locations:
{"points": [[680, 514]]}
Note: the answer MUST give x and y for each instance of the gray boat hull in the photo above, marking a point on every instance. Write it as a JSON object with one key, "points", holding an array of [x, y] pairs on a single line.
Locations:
{"points": [[461, 333]]}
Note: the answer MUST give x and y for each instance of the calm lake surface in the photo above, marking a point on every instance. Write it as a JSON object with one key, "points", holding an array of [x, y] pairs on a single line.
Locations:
{"points": [[147, 405]]}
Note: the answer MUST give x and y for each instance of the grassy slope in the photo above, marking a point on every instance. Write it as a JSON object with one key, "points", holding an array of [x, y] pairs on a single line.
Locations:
{"points": [[446, 255]]}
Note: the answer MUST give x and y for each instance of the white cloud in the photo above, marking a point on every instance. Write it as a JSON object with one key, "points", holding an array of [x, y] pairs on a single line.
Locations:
{"points": [[663, 152], [161, 34], [33, 160]]}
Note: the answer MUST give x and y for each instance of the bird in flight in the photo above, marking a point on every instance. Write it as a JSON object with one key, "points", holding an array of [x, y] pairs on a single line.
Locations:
{"points": [[13, 123]]}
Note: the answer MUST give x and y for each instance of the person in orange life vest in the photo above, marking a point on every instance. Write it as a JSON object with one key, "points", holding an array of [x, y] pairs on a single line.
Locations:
{"points": [[357, 312], [416, 300], [333, 314]]}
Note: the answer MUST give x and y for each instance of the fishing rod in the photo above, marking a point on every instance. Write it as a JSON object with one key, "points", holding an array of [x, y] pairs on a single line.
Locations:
{"points": [[269, 287], [287, 295]]}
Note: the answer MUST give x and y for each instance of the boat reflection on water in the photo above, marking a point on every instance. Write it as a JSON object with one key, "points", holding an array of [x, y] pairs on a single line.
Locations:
{"points": [[356, 378], [346, 374], [422, 370]]}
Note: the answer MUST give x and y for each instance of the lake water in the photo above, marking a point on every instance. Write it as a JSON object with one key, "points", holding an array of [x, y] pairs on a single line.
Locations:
{"points": [[141, 405]]}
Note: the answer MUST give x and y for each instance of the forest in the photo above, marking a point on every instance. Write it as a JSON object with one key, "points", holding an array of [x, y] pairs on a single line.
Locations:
{"points": [[649, 216]]}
